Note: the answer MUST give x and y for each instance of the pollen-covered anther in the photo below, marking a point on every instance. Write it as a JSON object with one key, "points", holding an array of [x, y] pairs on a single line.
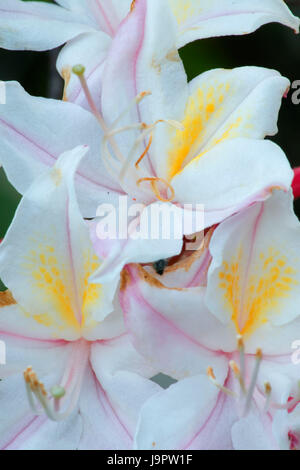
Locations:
{"points": [[32, 381], [38, 397], [132, 6], [268, 388]]}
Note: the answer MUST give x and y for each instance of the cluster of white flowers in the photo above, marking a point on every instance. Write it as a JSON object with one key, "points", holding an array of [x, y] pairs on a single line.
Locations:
{"points": [[89, 321]]}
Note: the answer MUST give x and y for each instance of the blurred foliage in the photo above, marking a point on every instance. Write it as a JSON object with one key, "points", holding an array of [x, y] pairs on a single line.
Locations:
{"points": [[272, 46]]}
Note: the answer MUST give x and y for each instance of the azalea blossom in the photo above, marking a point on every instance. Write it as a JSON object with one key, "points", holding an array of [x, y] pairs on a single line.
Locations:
{"points": [[88, 26], [238, 326], [85, 382], [175, 146]]}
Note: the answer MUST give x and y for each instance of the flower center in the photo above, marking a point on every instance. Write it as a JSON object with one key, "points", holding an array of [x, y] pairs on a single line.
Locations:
{"points": [[116, 163]]}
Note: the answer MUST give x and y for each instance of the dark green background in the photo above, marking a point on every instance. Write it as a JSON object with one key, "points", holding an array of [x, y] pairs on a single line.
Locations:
{"points": [[272, 46]]}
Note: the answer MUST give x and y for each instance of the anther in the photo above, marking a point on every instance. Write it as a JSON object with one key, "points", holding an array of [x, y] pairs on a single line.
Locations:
{"points": [[236, 370], [212, 378], [268, 393]]}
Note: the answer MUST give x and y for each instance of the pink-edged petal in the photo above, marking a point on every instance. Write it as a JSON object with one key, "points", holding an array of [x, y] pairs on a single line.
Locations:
{"points": [[48, 266], [38, 26], [89, 50], [22, 430], [222, 104], [140, 244], [253, 280], [119, 385], [102, 428], [16, 323], [172, 328], [254, 432], [191, 414], [286, 429], [209, 18], [144, 58], [210, 180], [42, 129], [104, 14]]}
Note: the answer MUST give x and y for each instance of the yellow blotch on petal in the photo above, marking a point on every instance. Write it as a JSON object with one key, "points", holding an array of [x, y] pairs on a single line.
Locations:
{"points": [[251, 305], [183, 10], [50, 278], [92, 292], [202, 108]]}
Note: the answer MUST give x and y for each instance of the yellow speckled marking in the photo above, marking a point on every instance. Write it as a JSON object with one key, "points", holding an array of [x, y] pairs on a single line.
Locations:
{"points": [[202, 107], [183, 10], [265, 290], [51, 280]]}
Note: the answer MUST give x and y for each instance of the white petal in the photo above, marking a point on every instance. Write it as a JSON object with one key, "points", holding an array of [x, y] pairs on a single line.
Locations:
{"points": [[48, 267], [42, 129], [222, 105], [172, 328], [191, 414], [254, 432], [37, 26], [120, 391], [144, 59], [209, 18], [254, 276], [231, 176], [89, 50], [105, 14]]}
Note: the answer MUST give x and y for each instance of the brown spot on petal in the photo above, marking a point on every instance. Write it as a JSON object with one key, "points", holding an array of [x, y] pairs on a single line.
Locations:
{"points": [[6, 299], [125, 280], [186, 262]]}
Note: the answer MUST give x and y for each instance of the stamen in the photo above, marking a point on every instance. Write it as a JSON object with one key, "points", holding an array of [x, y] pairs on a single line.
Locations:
{"points": [[241, 349], [37, 393], [139, 140], [258, 356], [134, 102], [79, 70], [144, 153], [155, 189], [212, 378], [268, 393], [236, 370]]}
